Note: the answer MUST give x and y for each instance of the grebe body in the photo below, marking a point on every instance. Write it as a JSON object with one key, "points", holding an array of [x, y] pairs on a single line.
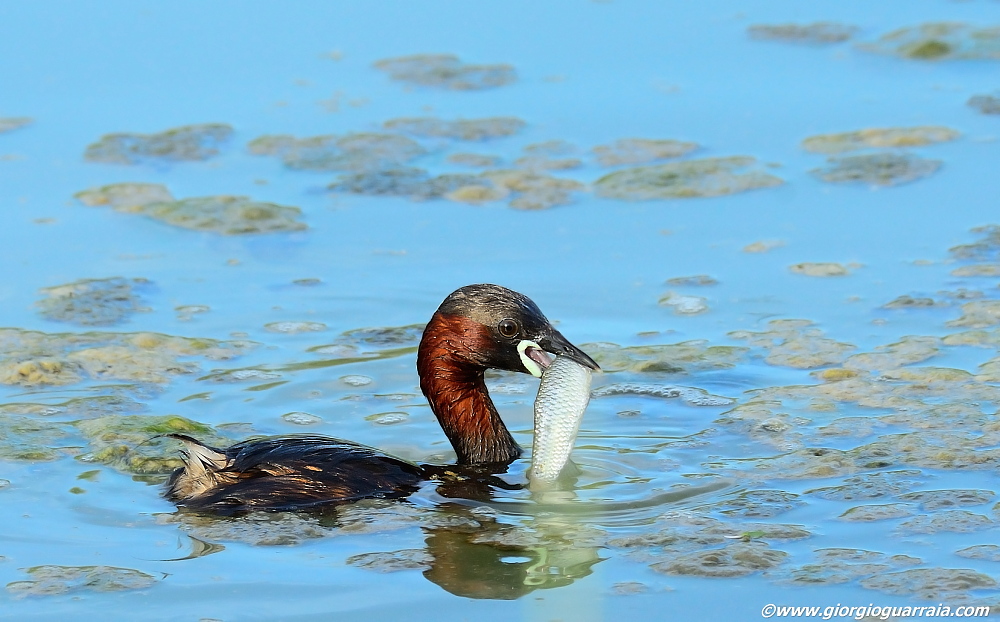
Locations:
{"points": [[477, 327]]}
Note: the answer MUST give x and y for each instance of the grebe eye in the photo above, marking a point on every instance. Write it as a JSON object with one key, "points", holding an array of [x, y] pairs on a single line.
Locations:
{"points": [[508, 328]]}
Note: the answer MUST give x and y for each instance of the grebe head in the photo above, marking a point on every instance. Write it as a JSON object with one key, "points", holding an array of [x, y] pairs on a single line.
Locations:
{"points": [[480, 327], [506, 331]]}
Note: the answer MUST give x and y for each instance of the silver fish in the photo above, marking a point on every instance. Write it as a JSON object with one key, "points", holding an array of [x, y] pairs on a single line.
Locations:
{"points": [[563, 396]]}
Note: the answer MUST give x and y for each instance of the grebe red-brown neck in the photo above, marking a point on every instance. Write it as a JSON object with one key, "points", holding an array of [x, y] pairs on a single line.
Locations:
{"points": [[477, 327]]}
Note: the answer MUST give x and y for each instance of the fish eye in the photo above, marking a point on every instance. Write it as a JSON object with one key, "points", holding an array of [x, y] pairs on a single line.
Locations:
{"points": [[508, 328]]}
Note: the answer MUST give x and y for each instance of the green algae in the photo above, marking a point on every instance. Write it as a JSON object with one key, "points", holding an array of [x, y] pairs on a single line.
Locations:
{"points": [[30, 440], [532, 190], [93, 302], [641, 151], [526, 190], [350, 152], [910, 302], [545, 163], [978, 314], [936, 41], [877, 169], [708, 177], [989, 552], [877, 512], [932, 500], [256, 528], [446, 71], [985, 104], [291, 328], [129, 198], [819, 269], [734, 560], [56, 580], [683, 357], [958, 521], [392, 561], [838, 565], [383, 336], [879, 137], [77, 408], [763, 246], [929, 583], [977, 270], [987, 248], [817, 33], [461, 129], [35, 358], [682, 304], [190, 142], [131, 443], [9, 124], [758, 504], [793, 343], [906, 351], [697, 280], [228, 215], [476, 160]]}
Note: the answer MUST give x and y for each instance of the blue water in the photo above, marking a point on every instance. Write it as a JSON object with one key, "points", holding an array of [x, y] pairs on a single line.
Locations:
{"points": [[588, 73]]}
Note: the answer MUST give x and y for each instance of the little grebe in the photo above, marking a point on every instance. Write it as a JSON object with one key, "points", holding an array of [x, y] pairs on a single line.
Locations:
{"points": [[477, 327]]}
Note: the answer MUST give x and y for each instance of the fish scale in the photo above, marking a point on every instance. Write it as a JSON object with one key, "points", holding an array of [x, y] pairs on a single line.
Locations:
{"points": [[563, 395]]}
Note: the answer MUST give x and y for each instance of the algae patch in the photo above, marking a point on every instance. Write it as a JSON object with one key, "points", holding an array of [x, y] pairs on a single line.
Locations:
{"points": [[462, 129], [228, 215], [93, 302], [817, 33], [9, 124], [27, 439], [130, 443], [877, 169], [349, 152], [985, 104], [54, 580], [794, 343], [929, 583], [879, 137], [526, 190], [819, 269], [446, 71], [708, 177], [683, 357], [190, 142], [641, 151], [684, 305], [33, 358], [935, 41]]}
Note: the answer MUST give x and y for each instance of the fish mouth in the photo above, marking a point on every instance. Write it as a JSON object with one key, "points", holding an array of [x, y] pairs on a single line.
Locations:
{"points": [[533, 357]]}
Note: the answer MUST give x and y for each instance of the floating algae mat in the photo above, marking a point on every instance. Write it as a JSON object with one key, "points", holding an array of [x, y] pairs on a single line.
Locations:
{"points": [[191, 142], [351, 152], [34, 358], [879, 137], [461, 129], [228, 215], [818, 33], [710, 177], [877, 169], [93, 302], [446, 71], [939, 41], [12, 123]]}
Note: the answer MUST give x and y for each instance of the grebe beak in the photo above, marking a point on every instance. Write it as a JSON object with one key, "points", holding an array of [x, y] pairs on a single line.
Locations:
{"points": [[553, 341]]}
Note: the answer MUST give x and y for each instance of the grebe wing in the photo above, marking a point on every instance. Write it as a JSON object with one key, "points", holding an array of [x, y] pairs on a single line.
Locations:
{"points": [[289, 472]]}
